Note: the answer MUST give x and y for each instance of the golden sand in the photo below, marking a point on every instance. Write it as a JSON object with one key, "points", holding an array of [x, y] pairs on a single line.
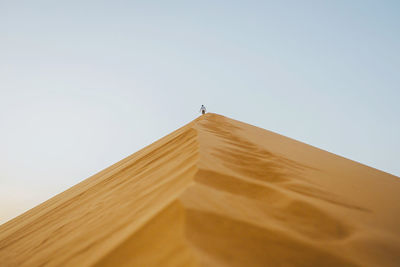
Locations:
{"points": [[216, 192]]}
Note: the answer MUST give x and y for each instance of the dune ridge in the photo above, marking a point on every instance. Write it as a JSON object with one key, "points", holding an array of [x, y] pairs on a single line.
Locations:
{"points": [[216, 192]]}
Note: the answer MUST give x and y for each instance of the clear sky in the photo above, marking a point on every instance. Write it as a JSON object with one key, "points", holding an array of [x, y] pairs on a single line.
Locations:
{"points": [[84, 84]]}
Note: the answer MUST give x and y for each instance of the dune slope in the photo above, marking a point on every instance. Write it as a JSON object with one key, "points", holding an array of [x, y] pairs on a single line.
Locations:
{"points": [[216, 192]]}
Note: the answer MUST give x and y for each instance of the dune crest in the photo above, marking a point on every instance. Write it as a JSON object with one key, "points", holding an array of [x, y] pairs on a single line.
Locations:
{"points": [[216, 192]]}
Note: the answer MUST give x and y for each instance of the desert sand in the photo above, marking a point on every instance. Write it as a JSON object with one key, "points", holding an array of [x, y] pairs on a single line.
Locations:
{"points": [[216, 192]]}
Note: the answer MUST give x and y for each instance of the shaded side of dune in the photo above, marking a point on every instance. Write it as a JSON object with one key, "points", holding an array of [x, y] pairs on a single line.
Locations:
{"points": [[84, 223]]}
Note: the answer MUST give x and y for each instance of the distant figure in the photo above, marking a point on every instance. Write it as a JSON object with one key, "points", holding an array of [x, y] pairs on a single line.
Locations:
{"points": [[203, 109]]}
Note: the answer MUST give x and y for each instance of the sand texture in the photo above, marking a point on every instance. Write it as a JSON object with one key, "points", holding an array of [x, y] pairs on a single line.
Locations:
{"points": [[216, 192]]}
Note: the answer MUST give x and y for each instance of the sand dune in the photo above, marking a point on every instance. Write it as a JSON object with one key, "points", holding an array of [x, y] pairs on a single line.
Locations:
{"points": [[216, 192]]}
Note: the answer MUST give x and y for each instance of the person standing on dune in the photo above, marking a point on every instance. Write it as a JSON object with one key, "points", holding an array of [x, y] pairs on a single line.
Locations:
{"points": [[203, 109]]}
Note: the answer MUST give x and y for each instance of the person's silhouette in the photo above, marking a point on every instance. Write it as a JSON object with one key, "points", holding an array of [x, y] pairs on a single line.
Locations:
{"points": [[203, 109]]}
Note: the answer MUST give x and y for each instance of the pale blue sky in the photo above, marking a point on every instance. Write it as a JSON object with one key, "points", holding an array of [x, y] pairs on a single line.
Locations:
{"points": [[84, 84]]}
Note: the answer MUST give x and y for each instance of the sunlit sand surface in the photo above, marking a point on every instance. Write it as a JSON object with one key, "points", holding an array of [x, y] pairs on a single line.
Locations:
{"points": [[216, 192]]}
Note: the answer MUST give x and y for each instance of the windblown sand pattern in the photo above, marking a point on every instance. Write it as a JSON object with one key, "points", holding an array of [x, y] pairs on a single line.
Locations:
{"points": [[216, 192]]}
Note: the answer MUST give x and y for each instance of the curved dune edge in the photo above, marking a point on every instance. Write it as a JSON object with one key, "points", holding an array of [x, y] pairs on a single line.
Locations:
{"points": [[216, 192]]}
